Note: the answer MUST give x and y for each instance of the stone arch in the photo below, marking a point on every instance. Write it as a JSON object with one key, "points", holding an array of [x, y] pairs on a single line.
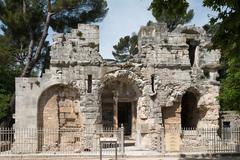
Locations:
{"points": [[121, 75], [62, 98], [172, 111], [58, 108], [119, 93], [189, 108]]}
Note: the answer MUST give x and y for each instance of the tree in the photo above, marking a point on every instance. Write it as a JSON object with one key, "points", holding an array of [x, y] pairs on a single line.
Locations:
{"points": [[26, 24], [7, 78], [126, 48], [227, 38], [172, 12]]}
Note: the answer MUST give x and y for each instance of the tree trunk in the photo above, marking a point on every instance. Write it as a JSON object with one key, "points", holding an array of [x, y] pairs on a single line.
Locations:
{"points": [[30, 64], [31, 61]]}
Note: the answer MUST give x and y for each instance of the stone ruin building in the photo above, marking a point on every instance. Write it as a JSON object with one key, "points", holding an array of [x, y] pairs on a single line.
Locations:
{"points": [[170, 84]]}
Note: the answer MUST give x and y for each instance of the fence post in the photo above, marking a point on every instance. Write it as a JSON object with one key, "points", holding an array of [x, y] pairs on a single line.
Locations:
{"points": [[1, 140], [122, 140], [100, 149], [214, 143]]}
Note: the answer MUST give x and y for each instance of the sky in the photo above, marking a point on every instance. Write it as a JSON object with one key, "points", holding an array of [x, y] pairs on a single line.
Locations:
{"points": [[127, 16]]}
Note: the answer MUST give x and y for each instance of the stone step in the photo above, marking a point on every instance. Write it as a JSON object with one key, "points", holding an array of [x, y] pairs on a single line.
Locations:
{"points": [[129, 143]]}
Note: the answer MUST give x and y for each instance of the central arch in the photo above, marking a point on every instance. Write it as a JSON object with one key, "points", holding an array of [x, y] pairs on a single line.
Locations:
{"points": [[119, 98]]}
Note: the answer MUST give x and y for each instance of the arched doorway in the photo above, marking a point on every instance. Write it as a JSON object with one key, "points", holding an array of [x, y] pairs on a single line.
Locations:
{"points": [[119, 105], [189, 112], [58, 110]]}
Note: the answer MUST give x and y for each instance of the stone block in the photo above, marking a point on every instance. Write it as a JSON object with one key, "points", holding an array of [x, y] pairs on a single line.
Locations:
{"points": [[145, 128], [70, 116], [65, 109]]}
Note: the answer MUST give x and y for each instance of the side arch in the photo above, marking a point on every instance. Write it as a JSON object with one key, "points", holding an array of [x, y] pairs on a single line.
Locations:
{"points": [[58, 109], [189, 110], [57, 103]]}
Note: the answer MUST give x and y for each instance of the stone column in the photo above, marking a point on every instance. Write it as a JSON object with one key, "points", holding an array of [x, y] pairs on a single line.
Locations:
{"points": [[196, 60], [133, 105], [115, 110]]}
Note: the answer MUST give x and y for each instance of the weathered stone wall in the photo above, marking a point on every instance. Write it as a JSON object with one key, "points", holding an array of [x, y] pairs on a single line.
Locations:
{"points": [[232, 117], [153, 82], [166, 56], [74, 56]]}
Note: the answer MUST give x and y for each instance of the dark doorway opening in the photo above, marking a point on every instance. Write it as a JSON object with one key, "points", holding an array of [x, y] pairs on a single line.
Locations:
{"points": [[191, 50], [189, 113], [125, 116], [107, 115]]}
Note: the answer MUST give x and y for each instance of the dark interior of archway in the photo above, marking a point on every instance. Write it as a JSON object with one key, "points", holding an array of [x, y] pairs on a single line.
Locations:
{"points": [[126, 95], [191, 50], [125, 116], [107, 108], [189, 113]]}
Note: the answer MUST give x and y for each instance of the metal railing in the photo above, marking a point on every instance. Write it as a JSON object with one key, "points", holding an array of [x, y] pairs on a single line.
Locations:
{"points": [[210, 140], [81, 141], [86, 141]]}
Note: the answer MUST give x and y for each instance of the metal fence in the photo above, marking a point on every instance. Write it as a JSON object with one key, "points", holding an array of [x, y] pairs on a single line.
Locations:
{"points": [[86, 141], [210, 140], [81, 141]]}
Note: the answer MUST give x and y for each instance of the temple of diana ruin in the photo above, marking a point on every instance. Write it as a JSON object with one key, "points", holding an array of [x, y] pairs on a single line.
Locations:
{"points": [[170, 84]]}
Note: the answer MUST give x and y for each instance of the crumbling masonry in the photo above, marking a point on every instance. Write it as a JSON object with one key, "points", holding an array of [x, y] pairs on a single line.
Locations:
{"points": [[170, 84]]}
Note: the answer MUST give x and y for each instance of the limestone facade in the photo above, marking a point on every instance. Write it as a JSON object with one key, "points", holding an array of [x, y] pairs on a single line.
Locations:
{"points": [[170, 84], [230, 119]]}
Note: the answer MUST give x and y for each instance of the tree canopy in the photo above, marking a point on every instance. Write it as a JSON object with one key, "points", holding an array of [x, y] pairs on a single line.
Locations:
{"points": [[126, 48], [227, 39], [7, 78], [172, 12]]}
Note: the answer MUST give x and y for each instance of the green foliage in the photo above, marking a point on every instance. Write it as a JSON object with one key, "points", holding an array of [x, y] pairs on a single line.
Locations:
{"points": [[4, 51], [227, 39], [69, 13], [230, 89], [7, 82], [18, 17], [126, 48], [172, 12], [21, 20], [4, 102], [211, 28]]}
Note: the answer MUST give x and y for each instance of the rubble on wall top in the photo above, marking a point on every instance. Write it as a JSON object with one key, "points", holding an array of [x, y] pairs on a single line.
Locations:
{"points": [[189, 29], [161, 28]]}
